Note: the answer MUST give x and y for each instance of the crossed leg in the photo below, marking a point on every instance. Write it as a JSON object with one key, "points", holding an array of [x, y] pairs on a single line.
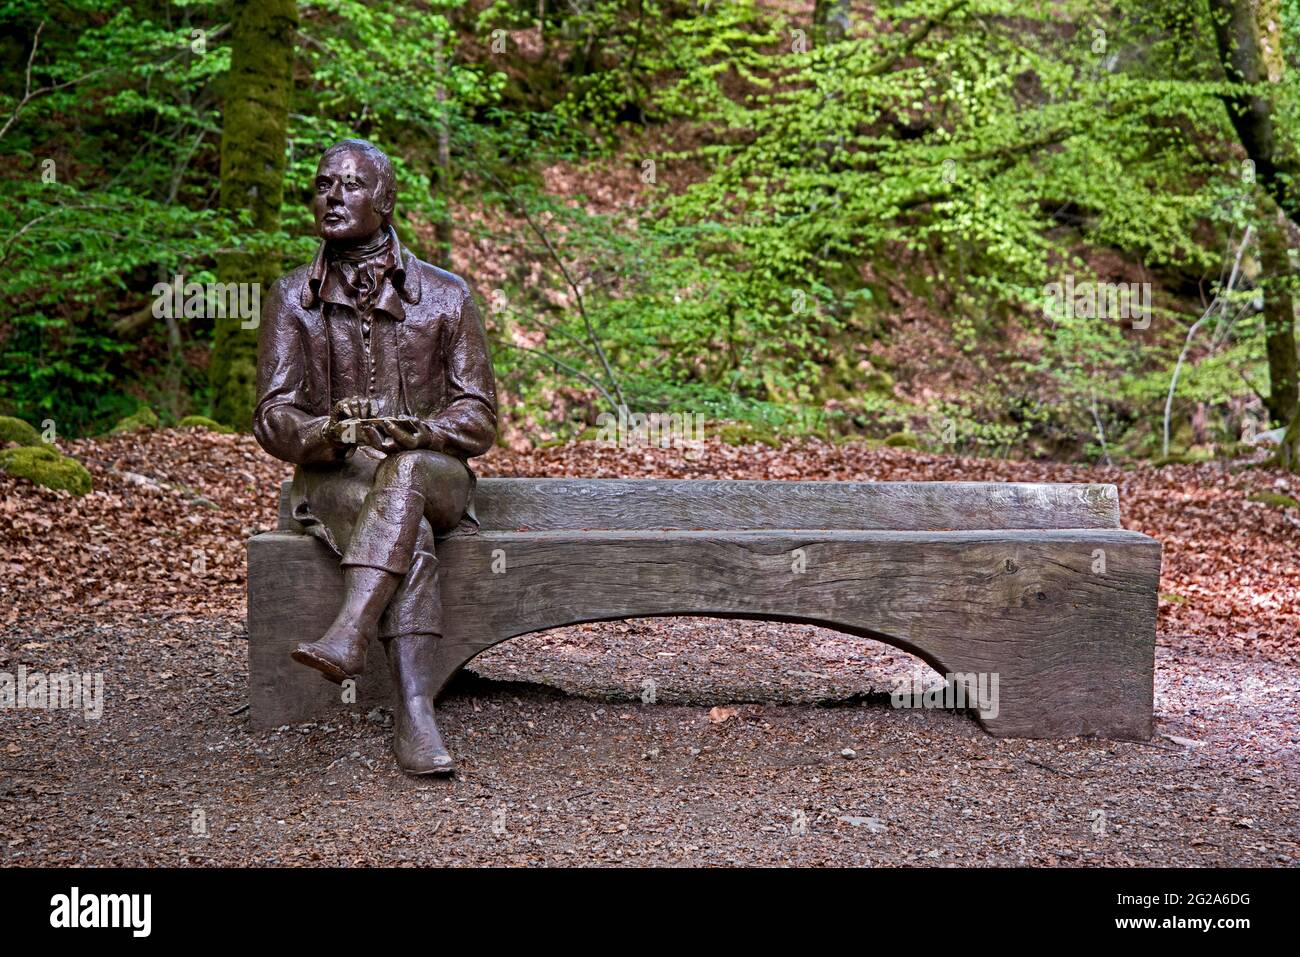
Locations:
{"points": [[391, 580]]}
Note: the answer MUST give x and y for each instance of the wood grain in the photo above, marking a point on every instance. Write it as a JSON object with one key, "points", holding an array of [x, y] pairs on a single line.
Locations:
{"points": [[1073, 647], [512, 504], [295, 588]]}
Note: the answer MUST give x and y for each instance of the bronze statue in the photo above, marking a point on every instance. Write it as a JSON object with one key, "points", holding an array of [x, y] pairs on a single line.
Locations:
{"points": [[374, 379]]}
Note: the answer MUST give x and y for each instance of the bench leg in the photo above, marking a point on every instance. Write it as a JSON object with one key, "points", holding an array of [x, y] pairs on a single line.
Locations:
{"points": [[1031, 698], [295, 588]]}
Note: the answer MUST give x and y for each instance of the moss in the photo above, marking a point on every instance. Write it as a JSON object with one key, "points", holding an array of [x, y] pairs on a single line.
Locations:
{"points": [[847, 381], [16, 430], [203, 422], [746, 433], [878, 382], [142, 418], [1275, 499], [902, 440], [259, 86], [44, 466]]}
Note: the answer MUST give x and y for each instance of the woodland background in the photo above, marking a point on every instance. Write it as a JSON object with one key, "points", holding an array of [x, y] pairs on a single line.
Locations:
{"points": [[824, 219], [827, 228]]}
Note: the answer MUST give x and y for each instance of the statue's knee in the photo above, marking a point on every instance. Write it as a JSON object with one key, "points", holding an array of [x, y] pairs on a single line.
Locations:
{"points": [[400, 470]]}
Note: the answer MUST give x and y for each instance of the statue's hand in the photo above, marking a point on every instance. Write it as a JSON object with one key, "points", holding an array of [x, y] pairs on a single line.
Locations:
{"points": [[411, 435], [375, 437], [353, 407]]}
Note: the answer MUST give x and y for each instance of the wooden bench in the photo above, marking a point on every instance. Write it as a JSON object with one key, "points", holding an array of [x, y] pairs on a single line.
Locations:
{"points": [[1037, 584]]}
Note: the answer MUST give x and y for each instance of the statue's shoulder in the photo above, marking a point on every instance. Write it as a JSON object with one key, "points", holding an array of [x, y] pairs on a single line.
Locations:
{"points": [[286, 293], [437, 284], [294, 278]]}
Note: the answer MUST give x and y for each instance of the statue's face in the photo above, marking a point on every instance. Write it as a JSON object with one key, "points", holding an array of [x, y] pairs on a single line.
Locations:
{"points": [[345, 203]]}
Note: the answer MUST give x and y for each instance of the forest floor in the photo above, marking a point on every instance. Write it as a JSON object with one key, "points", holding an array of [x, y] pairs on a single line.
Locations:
{"points": [[770, 743]]}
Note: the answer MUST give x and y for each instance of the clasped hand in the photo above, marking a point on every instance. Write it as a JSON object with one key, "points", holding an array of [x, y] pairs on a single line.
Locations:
{"points": [[387, 434]]}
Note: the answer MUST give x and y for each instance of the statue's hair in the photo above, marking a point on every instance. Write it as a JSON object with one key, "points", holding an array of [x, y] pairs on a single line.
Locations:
{"points": [[386, 188]]}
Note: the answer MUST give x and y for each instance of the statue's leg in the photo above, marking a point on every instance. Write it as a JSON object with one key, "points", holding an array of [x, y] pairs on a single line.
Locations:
{"points": [[378, 554], [409, 629], [412, 624]]}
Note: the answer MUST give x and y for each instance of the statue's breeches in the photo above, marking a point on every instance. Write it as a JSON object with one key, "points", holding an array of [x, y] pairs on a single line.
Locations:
{"points": [[385, 530], [372, 516], [416, 607]]}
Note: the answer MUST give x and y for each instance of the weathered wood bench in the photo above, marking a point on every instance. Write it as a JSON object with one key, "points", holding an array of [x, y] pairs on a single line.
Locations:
{"points": [[1037, 584]]}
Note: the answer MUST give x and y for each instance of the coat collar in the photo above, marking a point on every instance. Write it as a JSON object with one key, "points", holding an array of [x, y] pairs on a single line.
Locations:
{"points": [[402, 284]]}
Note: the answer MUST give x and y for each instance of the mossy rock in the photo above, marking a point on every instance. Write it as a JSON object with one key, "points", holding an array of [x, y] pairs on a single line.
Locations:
{"points": [[142, 418], [1275, 499], [17, 430], [902, 440], [1190, 457], [44, 466], [203, 422]]}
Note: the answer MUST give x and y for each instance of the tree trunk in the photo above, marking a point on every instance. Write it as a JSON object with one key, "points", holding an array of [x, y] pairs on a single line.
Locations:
{"points": [[830, 20], [1249, 37], [442, 229], [253, 145], [1288, 456], [1279, 321]]}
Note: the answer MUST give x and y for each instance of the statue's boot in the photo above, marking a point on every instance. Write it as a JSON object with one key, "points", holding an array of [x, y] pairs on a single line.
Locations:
{"points": [[417, 743], [378, 555], [341, 652]]}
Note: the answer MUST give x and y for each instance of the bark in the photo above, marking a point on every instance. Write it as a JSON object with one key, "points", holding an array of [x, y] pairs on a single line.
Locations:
{"points": [[253, 146], [443, 230], [830, 20], [1288, 456], [1279, 322], [1249, 38]]}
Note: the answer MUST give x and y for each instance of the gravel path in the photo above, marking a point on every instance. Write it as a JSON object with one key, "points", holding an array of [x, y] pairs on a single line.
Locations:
{"points": [[743, 759]]}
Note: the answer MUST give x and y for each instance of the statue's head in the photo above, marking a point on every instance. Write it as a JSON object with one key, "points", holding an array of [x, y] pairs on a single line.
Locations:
{"points": [[355, 191]]}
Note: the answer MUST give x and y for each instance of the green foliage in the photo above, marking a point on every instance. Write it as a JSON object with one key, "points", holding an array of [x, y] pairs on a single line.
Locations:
{"points": [[794, 206], [973, 152], [95, 211]]}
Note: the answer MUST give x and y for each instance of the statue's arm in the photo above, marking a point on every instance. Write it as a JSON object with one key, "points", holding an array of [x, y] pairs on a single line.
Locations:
{"points": [[468, 424], [282, 421]]}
